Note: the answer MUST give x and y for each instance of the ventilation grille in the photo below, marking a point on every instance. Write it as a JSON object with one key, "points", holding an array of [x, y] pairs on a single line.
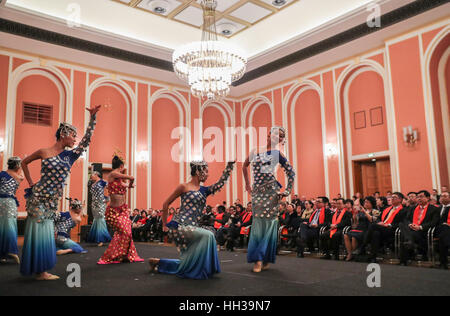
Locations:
{"points": [[37, 114]]}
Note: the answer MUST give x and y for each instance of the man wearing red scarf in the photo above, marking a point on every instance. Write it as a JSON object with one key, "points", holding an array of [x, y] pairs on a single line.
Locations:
{"points": [[332, 237], [383, 232], [443, 230], [414, 229], [310, 231]]}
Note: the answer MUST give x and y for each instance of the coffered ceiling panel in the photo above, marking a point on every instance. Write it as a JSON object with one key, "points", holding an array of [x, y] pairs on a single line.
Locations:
{"points": [[238, 14]]}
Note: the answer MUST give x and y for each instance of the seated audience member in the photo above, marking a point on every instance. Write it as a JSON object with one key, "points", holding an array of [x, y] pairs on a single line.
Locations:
{"points": [[383, 232], [435, 195], [309, 232], [411, 202], [229, 231], [142, 227], [333, 206], [240, 209], [207, 219], [443, 230], [414, 229], [349, 205], [362, 217], [220, 217], [135, 217], [307, 212], [288, 222], [295, 200], [245, 225], [382, 203], [332, 238]]}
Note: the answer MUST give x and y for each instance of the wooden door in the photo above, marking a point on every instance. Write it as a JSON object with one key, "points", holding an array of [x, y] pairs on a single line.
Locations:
{"points": [[369, 178], [384, 176]]}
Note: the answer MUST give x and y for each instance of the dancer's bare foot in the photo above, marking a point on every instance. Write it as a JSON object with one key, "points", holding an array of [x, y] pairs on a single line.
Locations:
{"points": [[14, 257], [100, 244], [257, 267], [153, 263], [349, 257], [46, 277], [265, 267]]}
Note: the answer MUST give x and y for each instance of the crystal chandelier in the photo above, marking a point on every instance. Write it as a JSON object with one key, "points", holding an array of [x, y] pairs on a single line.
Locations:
{"points": [[209, 66]]}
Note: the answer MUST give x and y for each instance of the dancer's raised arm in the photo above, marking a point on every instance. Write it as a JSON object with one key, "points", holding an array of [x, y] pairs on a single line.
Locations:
{"points": [[212, 189], [84, 143]]}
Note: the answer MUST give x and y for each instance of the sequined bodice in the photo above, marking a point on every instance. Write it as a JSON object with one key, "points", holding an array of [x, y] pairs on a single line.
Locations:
{"points": [[8, 185], [98, 192], [192, 204], [117, 187], [54, 172], [64, 223], [263, 167]]}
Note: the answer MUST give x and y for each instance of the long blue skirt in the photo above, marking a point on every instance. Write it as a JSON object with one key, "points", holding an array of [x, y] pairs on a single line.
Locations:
{"points": [[262, 245], [8, 237], [39, 249], [8, 227], [99, 231], [198, 260]]}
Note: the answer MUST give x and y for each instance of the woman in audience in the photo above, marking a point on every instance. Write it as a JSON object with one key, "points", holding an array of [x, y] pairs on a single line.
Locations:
{"points": [[307, 212], [362, 217]]}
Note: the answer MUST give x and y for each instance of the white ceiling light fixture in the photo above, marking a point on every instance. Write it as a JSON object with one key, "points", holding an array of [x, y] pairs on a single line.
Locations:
{"points": [[209, 66]]}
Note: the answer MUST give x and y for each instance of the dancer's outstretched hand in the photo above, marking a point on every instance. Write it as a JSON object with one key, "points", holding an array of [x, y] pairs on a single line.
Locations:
{"points": [[94, 109], [248, 188]]}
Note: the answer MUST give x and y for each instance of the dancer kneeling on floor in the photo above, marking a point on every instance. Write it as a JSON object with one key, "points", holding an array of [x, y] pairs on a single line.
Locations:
{"points": [[64, 222], [198, 259]]}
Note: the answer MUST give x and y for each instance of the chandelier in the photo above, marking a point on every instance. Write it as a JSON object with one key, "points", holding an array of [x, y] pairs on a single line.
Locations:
{"points": [[209, 66]]}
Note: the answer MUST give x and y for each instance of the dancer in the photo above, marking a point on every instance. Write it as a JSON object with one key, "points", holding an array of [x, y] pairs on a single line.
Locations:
{"points": [[265, 198], [121, 248], [64, 222], [198, 258], [9, 182], [99, 231], [39, 251]]}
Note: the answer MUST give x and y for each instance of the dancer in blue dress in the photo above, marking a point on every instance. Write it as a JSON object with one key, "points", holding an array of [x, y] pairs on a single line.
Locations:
{"points": [[197, 245], [266, 196], [99, 230], [43, 198], [9, 183], [64, 222]]}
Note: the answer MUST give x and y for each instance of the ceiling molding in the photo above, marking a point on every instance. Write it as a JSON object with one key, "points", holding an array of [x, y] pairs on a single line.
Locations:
{"points": [[398, 15], [388, 19]]}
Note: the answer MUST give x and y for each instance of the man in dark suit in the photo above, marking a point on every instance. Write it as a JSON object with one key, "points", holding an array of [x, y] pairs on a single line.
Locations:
{"points": [[332, 237], [383, 232], [309, 232], [443, 230], [414, 229]]}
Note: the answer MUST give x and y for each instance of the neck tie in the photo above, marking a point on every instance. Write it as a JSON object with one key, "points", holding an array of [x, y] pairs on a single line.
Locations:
{"points": [[420, 213]]}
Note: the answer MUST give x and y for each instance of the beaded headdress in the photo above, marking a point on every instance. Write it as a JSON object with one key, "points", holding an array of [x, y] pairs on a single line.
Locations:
{"points": [[65, 129]]}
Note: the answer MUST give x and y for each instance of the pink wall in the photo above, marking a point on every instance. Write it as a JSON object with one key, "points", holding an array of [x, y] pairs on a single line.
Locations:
{"points": [[308, 126], [366, 98], [165, 171], [212, 117], [40, 90], [110, 132], [410, 110]]}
